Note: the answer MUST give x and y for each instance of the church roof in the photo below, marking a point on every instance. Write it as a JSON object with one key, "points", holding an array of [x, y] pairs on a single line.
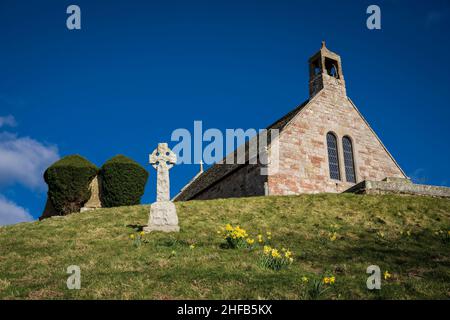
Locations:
{"points": [[219, 171]]}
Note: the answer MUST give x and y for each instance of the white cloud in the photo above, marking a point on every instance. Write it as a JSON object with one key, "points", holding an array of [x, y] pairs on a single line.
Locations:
{"points": [[11, 213], [8, 121], [23, 160]]}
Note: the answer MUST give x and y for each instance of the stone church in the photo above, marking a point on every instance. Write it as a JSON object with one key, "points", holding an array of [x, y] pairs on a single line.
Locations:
{"points": [[324, 145]]}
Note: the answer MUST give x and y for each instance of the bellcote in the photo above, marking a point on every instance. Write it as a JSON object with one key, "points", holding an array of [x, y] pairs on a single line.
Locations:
{"points": [[325, 71]]}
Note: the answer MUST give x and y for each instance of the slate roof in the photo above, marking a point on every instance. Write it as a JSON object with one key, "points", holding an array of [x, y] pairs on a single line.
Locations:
{"points": [[219, 171]]}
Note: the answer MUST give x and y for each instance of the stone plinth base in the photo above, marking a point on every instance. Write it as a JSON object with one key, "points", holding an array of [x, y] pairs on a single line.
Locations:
{"points": [[163, 217]]}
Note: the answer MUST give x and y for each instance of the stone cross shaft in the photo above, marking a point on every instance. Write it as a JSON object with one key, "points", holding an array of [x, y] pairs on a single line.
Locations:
{"points": [[162, 159]]}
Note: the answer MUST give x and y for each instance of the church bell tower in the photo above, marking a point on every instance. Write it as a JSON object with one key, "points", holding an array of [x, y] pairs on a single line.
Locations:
{"points": [[325, 72]]}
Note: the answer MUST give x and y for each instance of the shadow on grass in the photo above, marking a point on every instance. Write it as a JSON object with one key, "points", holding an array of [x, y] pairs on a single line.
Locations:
{"points": [[136, 227], [172, 242]]}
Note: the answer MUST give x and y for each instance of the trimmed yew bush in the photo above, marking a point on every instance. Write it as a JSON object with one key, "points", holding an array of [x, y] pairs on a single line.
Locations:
{"points": [[68, 182], [122, 182]]}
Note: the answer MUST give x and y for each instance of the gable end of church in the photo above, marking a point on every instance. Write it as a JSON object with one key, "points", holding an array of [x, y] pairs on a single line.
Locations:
{"points": [[324, 145]]}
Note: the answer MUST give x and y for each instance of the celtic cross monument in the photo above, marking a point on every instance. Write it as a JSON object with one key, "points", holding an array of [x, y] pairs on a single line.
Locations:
{"points": [[163, 214]]}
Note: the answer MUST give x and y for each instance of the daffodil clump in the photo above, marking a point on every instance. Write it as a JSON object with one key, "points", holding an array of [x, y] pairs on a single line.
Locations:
{"points": [[332, 236], [329, 280], [236, 237], [316, 286], [274, 259], [137, 238]]}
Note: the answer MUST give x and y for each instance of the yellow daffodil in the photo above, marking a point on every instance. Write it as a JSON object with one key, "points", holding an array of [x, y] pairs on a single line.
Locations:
{"points": [[275, 253], [268, 233], [192, 246], [329, 280], [142, 233], [275, 258], [234, 232], [250, 241], [132, 236], [387, 275], [260, 238], [305, 279]]}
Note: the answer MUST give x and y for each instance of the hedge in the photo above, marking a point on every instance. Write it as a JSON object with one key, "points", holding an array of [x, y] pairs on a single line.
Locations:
{"points": [[68, 182], [122, 182]]}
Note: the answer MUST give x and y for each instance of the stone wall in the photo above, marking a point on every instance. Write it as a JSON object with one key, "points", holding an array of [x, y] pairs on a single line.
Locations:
{"points": [[303, 163], [399, 187], [246, 181]]}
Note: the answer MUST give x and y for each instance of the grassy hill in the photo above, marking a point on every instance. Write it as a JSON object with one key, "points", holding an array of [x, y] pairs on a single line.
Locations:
{"points": [[330, 235]]}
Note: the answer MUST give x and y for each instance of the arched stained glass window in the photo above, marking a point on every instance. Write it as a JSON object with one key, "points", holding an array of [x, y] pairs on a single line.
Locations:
{"points": [[349, 162], [333, 158]]}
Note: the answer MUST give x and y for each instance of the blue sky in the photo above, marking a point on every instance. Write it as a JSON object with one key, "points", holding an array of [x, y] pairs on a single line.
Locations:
{"points": [[137, 70]]}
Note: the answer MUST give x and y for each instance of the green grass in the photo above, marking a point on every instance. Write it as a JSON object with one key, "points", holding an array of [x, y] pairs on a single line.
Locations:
{"points": [[370, 230]]}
